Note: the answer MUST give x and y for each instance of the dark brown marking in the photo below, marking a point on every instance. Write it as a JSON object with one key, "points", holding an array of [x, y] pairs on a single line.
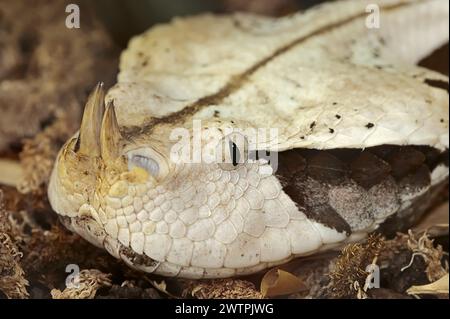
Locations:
{"points": [[325, 214], [416, 180], [77, 144], [238, 80], [322, 213], [137, 259], [289, 165], [309, 176], [438, 84], [405, 160], [437, 61], [432, 155], [327, 168], [368, 169]]}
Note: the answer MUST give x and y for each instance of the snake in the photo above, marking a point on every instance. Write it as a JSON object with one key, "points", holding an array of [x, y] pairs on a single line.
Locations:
{"points": [[233, 143]]}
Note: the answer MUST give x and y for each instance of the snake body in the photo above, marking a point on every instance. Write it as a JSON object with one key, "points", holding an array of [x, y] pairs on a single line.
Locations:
{"points": [[351, 137]]}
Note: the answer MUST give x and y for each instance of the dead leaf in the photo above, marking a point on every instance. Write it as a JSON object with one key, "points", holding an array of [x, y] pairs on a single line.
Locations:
{"points": [[438, 287], [277, 282]]}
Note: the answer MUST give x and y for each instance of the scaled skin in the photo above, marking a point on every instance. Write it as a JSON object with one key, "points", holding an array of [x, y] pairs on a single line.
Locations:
{"points": [[116, 185]]}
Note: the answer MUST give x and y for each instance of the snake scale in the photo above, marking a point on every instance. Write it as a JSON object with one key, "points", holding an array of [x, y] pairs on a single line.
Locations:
{"points": [[329, 132]]}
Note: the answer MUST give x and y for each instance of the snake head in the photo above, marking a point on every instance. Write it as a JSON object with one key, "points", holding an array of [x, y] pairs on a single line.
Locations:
{"points": [[147, 203]]}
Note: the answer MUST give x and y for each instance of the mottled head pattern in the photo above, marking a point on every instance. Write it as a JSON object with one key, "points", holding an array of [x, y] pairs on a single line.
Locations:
{"points": [[361, 135]]}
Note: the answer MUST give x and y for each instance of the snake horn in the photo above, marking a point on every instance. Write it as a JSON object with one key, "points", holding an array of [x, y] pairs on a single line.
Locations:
{"points": [[89, 136], [110, 134]]}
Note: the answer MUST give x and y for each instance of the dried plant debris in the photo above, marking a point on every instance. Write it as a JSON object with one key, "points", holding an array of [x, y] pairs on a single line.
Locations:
{"points": [[42, 62], [221, 289], [438, 287], [352, 273], [423, 247], [413, 259], [129, 289], [84, 285], [39, 153], [13, 283]]}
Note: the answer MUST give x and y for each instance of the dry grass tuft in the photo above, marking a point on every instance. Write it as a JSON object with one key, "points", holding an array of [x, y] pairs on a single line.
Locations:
{"points": [[349, 276], [39, 153]]}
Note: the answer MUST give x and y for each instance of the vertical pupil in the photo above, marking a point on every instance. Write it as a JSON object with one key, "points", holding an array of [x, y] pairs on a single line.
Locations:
{"points": [[234, 153]]}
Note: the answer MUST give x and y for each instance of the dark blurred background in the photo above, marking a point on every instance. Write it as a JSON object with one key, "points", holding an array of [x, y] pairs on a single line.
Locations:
{"points": [[124, 19]]}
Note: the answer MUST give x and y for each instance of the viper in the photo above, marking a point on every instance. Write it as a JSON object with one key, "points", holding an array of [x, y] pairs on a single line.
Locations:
{"points": [[315, 129]]}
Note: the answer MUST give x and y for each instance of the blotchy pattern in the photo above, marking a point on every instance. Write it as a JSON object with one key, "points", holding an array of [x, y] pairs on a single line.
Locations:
{"points": [[323, 80], [213, 222], [352, 190]]}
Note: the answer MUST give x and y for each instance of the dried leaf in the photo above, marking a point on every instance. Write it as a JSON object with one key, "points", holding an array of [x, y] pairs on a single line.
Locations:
{"points": [[277, 282], [438, 287]]}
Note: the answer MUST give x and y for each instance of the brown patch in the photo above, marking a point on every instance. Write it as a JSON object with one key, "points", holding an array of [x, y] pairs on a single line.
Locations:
{"points": [[369, 170], [309, 177], [438, 84], [405, 160], [437, 61], [327, 168]]}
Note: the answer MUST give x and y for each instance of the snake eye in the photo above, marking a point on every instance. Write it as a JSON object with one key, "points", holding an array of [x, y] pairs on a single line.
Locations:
{"points": [[234, 151], [146, 163], [150, 160]]}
